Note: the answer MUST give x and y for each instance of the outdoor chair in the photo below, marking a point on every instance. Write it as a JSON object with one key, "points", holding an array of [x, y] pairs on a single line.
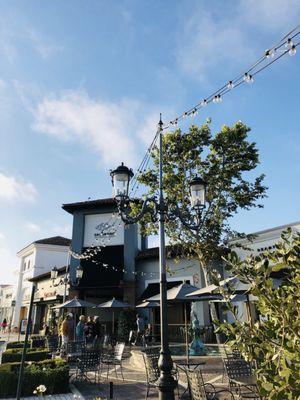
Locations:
{"points": [[89, 361], [236, 369], [52, 344], [204, 391], [151, 356], [114, 359], [74, 351]]}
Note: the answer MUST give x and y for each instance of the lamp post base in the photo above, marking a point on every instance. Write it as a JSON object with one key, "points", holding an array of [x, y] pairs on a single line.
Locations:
{"points": [[166, 382]]}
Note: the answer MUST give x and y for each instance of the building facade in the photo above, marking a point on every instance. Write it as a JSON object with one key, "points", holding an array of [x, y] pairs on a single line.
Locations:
{"points": [[35, 259], [119, 264], [6, 303]]}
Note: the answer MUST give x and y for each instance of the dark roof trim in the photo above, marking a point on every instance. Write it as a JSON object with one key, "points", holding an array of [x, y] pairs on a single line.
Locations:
{"points": [[54, 240], [46, 275], [83, 205], [171, 251]]}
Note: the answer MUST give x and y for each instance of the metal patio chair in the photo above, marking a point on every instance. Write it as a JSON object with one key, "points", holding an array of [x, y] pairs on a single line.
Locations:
{"points": [[114, 359], [151, 357], [74, 351], [89, 361], [204, 391], [241, 378], [52, 345]]}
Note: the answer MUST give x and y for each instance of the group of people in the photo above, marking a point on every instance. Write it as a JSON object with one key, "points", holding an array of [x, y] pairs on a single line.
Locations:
{"points": [[87, 330]]}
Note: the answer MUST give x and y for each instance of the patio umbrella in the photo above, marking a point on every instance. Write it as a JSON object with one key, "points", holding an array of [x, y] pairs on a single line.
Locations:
{"points": [[75, 303], [240, 292], [178, 294], [114, 305]]}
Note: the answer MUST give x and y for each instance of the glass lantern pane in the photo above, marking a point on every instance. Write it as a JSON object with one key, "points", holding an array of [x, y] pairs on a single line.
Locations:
{"points": [[120, 184], [197, 195]]}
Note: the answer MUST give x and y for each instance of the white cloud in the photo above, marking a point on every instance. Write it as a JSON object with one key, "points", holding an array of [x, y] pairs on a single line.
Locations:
{"points": [[112, 129], [12, 188], [206, 42], [211, 38], [2, 236], [32, 227], [2, 84], [63, 230], [8, 263], [276, 15], [44, 46]]}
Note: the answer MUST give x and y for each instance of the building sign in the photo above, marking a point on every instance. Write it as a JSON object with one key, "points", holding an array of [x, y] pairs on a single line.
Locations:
{"points": [[100, 227]]}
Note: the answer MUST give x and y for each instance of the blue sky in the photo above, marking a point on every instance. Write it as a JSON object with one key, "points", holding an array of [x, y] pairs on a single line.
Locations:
{"points": [[82, 84]]}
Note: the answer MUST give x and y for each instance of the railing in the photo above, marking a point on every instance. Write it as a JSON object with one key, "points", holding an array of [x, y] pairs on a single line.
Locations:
{"points": [[177, 333]]}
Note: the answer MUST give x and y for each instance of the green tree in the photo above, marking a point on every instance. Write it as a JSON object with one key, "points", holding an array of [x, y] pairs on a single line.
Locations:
{"points": [[274, 340], [225, 162]]}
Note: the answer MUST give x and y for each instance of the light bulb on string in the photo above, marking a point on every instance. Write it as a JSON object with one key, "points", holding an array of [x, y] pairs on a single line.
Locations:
{"points": [[292, 50], [194, 112], [288, 43], [217, 99], [203, 103], [230, 85], [248, 78], [270, 53]]}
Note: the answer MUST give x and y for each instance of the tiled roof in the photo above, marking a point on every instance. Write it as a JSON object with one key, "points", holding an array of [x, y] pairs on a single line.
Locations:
{"points": [[54, 240], [71, 207]]}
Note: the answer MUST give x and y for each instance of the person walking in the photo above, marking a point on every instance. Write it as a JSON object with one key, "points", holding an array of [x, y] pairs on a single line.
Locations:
{"points": [[4, 324], [65, 333], [140, 324], [97, 331], [80, 329]]}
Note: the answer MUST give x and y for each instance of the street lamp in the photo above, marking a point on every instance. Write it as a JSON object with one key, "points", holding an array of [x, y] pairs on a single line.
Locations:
{"points": [[65, 280], [79, 273], [160, 209]]}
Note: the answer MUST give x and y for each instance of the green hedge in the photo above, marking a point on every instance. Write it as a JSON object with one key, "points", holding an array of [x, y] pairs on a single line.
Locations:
{"points": [[15, 355], [51, 373], [16, 345]]}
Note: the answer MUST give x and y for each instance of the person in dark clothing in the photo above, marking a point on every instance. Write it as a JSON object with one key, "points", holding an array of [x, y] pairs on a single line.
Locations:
{"points": [[89, 331], [97, 331]]}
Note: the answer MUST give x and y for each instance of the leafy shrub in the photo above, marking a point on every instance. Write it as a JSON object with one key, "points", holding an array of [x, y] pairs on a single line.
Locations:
{"points": [[126, 323], [15, 355], [274, 340], [54, 374]]}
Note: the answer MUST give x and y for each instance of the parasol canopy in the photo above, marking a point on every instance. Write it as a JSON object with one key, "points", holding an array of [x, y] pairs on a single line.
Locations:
{"points": [[75, 303]]}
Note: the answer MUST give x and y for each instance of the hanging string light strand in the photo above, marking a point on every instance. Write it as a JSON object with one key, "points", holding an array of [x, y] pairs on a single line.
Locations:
{"points": [[286, 45]]}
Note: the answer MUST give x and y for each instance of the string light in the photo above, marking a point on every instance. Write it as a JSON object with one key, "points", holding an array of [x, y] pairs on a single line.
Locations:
{"points": [[230, 85], [292, 50], [285, 46]]}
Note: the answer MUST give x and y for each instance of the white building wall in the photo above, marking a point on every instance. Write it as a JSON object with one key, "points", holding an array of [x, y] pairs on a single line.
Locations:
{"points": [[263, 241], [35, 259]]}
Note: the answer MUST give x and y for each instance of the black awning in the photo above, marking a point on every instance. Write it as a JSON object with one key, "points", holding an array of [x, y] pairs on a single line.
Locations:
{"points": [[153, 289]]}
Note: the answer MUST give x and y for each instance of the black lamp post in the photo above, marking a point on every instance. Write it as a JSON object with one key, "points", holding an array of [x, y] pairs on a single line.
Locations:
{"points": [[162, 208]]}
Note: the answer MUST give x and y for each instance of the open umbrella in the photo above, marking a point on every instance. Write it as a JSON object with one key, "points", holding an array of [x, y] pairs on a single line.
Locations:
{"points": [[75, 303], [114, 305], [179, 294], [239, 293]]}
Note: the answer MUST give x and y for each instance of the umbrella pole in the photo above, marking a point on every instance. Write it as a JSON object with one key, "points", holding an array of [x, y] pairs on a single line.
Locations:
{"points": [[186, 335], [113, 323]]}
